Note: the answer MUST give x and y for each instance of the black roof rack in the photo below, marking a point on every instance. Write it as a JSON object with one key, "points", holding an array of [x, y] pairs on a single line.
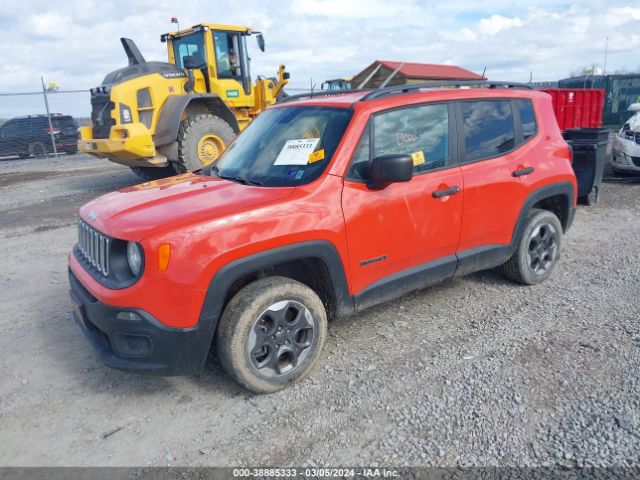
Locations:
{"points": [[408, 88], [320, 93]]}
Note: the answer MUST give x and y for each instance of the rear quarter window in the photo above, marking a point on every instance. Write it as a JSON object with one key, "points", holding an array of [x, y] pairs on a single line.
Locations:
{"points": [[488, 129], [527, 118]]}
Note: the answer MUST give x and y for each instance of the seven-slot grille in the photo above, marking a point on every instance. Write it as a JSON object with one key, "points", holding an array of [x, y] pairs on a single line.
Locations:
{"points": [[94, 247]]}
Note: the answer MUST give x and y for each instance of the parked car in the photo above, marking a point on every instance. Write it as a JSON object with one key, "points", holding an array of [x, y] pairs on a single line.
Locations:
{"points": [[625, 151], [31, 135], [321, 208]]}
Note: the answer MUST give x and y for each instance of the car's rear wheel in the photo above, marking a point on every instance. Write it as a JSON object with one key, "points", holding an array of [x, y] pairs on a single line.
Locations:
{"points": [[538, 249], [271, 334], [37, 149]]}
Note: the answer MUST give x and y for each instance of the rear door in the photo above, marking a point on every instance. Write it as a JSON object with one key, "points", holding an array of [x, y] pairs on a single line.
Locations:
{"points": [[405, 235], [498, 169]]}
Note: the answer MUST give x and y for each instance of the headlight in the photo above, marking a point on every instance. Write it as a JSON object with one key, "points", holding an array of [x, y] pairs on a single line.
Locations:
{"points": [[134, 258]]}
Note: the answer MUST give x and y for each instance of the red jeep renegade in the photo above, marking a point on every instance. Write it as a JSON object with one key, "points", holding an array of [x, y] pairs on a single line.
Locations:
{"points": [[324, 206]]}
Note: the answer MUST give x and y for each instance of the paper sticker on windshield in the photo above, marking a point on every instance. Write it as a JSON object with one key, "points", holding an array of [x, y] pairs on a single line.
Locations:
{"points": [[317, 156], [418, 158], [296, 152]]}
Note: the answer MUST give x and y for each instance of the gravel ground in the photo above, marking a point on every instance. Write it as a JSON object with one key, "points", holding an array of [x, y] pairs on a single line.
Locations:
{"points": [[476, 371]]}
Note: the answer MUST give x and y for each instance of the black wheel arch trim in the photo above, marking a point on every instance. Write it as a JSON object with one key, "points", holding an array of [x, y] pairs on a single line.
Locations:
{"points": [[169, 116], [224, 278]]}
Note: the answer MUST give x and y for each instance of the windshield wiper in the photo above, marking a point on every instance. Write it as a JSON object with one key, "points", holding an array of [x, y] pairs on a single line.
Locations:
{"points": [[213, 170], [239, 179]]}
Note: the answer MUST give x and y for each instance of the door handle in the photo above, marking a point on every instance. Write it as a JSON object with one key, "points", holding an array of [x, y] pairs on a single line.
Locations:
{"points": [[445, 193], [524, 171]]}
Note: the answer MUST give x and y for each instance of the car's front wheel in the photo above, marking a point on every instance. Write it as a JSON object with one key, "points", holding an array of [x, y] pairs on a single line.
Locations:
{"points": [[538, 249], [271, 334]]}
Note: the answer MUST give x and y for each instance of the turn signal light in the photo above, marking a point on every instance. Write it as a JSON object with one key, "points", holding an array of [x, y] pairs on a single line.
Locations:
{"points": [[164, 254]]}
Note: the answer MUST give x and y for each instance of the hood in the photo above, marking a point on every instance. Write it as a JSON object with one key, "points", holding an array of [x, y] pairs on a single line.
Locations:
{"points": [[134, 213], [165, 69]]}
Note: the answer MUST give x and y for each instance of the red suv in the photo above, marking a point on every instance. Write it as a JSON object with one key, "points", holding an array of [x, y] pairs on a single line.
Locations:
{"points": [[324, 206]]}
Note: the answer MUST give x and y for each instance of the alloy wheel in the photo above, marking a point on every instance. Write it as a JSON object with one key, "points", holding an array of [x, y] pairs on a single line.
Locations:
{"points": [[281, 338]]}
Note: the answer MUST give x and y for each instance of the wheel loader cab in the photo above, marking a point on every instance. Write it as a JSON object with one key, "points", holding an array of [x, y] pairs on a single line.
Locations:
{"points": [[221, 55], [163, 118]]}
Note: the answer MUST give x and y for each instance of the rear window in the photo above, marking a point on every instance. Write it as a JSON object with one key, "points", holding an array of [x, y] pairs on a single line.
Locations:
{"points": [[488, 129], [527, 118], [63, 122]]}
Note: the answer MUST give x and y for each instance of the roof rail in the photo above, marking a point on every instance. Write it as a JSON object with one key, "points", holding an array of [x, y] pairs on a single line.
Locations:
{"points": [[321, 93], [408, 88]]}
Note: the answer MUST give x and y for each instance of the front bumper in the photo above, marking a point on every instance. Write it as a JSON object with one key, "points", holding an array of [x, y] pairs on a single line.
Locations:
{"points": [[144, 344], [622, 161], [130, 144]]}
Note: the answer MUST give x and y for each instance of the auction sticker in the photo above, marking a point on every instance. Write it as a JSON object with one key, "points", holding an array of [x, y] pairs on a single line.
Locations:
{"points": [[296, 152], [418, 158], [317, 156]]}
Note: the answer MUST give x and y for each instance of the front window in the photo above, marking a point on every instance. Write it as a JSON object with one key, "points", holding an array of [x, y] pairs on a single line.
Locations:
{"points": [[284, 146], [191, 45], [421, 132]]}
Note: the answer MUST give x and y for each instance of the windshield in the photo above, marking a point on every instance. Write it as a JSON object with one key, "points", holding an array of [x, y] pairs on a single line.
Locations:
{"points": [[284, 147], [191, 45]]}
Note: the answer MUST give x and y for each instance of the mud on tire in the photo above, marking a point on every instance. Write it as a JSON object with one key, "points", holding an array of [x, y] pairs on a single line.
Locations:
{"points": [[259, 335]]}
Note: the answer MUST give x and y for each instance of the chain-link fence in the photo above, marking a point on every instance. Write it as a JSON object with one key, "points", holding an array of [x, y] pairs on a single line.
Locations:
{"points": [[43, 123]]}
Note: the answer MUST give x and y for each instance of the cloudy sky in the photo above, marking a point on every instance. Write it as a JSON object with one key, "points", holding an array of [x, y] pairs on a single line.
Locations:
{"points": [[75, 43]]}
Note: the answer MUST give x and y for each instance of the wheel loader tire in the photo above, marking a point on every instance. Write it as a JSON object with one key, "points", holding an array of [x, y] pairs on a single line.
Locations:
{"points": [[153, 173], [201, 140]]}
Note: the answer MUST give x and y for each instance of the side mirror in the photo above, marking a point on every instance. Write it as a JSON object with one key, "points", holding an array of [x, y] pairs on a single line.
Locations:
{"points": [[634, 107], [387, 169], [260, 40], [189, 62]]}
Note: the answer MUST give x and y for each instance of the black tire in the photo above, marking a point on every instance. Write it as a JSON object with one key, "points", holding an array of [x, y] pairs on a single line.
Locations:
{"points": [[592, 198], [269, 362], [191, 131], [153, 173], [37, 150], [23, 155], [71, 150], [536, 255]]}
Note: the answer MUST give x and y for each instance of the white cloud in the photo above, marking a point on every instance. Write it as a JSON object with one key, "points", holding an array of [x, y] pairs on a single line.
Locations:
{"points": [[497, 23], [350, 8], [75, 42]]}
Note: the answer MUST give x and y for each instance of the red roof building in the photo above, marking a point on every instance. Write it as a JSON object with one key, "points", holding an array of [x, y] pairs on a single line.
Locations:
{"points": [[407, 72]]}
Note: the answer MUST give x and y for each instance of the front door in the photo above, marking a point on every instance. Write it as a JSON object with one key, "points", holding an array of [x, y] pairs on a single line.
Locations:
{"points": [[406, 234], [233, 82]]}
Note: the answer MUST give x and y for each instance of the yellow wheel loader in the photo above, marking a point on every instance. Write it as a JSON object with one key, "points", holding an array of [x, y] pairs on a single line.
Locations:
{"points": [[162, 118]]}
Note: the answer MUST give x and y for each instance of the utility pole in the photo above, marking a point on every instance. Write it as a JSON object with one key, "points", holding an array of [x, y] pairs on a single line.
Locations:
{"points": [[46, 104], [606, 49]]}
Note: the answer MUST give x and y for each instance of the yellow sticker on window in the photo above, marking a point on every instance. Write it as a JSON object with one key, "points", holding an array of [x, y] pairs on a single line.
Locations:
{"points": [[316, 156], [418, 158]]}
